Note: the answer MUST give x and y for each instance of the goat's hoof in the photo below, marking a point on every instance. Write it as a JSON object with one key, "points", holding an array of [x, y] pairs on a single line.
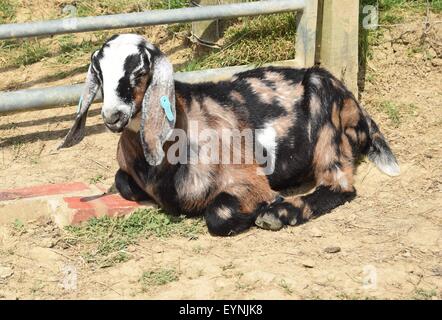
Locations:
{"points": [[269, 221]]}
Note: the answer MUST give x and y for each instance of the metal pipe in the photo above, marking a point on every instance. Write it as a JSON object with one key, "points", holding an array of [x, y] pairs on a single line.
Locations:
{"points": [[69, 95], [154, 17]]}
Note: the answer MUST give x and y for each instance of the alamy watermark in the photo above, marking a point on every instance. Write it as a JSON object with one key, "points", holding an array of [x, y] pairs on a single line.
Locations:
{"points": [[223, 146], [370, 20], [70, 277], [70, 20], [369, 277]]}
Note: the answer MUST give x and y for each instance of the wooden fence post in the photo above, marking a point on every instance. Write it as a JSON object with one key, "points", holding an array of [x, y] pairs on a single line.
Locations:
{"points": [[306, 22], [339, 40]]}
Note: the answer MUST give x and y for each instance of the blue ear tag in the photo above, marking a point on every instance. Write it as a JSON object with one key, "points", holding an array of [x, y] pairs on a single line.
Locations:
{"points": [[165, 104]]}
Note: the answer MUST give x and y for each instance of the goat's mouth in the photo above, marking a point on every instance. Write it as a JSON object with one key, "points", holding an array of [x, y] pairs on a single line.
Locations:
{"points": [[117, 126]]}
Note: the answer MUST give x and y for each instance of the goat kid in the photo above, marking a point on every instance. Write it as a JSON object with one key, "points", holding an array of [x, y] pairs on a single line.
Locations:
{"points": [[311, 128]]}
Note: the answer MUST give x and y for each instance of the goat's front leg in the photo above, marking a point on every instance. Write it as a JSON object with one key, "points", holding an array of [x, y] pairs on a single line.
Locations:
{"points": [[128, 188], [234, 209], [224, 217]]}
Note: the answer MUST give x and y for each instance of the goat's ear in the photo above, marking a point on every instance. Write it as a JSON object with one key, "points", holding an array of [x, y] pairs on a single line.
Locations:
{"points": [[76, 133], [158, 110]]}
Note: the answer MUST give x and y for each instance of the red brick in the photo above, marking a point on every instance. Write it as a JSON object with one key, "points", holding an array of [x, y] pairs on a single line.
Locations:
{"points": [[116, 201], [88, 207], [81, 215], [78, 203], [42, 190]]}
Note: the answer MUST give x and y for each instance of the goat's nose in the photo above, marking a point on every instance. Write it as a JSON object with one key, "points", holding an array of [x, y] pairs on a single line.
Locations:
{"points": [[113, 117]]}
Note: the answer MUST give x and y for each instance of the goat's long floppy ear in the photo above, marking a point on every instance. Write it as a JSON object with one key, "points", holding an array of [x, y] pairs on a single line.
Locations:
{"points": [[76, 133], [158, 110]]}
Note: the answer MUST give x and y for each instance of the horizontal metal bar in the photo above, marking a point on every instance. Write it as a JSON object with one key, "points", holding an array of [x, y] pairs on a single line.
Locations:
{"points": [[146, 18], [69, 95]]}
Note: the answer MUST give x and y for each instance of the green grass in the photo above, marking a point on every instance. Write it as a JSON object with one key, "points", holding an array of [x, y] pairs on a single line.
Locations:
{"points": [[94, 8], [70, 49], [31, 52], [412, 6], [252, 41], [158, 277], [390, 12], [397, 111], [170, 4], [96, 179], [392, 111], [18, 226], [110, 237], [67, 48], [422, 294], [7, 11]]}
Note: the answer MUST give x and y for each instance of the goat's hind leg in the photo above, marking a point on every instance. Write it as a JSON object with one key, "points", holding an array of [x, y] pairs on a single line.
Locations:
{"points": [[128, 188], [335, 187], [299, 209]]}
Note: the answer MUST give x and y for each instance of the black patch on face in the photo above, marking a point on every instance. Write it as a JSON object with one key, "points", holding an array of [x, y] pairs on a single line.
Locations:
{"points": [[124, 88]]}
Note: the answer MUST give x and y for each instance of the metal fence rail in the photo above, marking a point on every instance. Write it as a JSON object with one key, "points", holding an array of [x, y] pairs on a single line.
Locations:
{"points": [[67, 95], [147, 18]]}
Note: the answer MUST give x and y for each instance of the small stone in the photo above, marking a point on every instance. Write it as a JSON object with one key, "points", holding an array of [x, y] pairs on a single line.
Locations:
{"points": [[47, 243], [437, 62], [332, 249], [316, 233], [308, 264], [5, 272], [406, 254], [437, 271]]}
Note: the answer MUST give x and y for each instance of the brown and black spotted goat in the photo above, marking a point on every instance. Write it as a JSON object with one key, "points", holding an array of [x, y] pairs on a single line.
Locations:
{"points": [[307, 123]]}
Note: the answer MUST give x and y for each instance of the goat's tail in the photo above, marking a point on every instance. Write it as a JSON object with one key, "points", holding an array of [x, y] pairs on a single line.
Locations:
{"points": [[379, 151]]}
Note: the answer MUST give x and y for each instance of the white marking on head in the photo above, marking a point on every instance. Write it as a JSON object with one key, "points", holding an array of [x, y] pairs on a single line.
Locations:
{"points": [[112, 65]]}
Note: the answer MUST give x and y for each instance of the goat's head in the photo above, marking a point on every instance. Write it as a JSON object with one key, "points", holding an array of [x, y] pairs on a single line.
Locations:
{"points": [[136, 80]]}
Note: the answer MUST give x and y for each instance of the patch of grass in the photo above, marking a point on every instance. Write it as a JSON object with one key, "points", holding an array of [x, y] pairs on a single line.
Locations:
{"points": [[111, 236], [436, 6], [392, 111], [31, 51], [7, 11], [18, 226], [423, 294], [170, 4], [396, 112], [94, 8], [17, 146], [389, 18], [228, 266], [158, 277], [70, 49], [397, 8], [198, 249], [96, 179], [179, 27], [252, 41], [390, 12]]}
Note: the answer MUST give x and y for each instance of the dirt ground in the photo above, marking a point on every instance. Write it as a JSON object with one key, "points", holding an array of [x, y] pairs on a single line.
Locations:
{"points": [[390, 236]]}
